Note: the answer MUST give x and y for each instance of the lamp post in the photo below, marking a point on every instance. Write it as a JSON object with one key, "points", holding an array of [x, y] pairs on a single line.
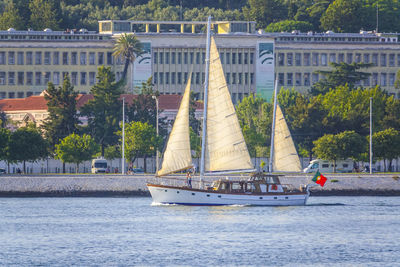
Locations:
{"points": [[123, 136], [156, 98], [370, 135]]}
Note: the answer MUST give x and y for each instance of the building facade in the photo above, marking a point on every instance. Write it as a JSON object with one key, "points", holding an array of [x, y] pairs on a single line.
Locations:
{"points": [[251, 60]]}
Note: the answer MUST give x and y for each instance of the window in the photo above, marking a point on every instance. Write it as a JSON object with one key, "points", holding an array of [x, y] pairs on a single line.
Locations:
{"points": [[298, 79], [185, 58], [166, 77], [228, 77], [155, 77], [47, 59], [281, 79], [109, 58], [251, 78], [398, 60], [358, 58], [251, 58], [233, 78], [173, 57], [366, 82], [239, 58], [155, 58], [374, 79], [240, 78], [65, 58], [233, 58], [281, 59], [166, 57], [92, 59], [298, 59], [228, 58], [185, 78], [100, 58], [56, 78], [173, 76], [221, 57], [74, 58], [11, 78], [179, 58], [2, 78], [341, 57], [161, 57], [289, 80], [349, 58], [74, 78], [11, 58], [332, 57], [3, 95], [383, 79], [47, 78], [392, 78], [324, 60], [11, 94], [246, 78], [315, 57], [20, 95], [2, 58], [246, 58], [64, 74], [92, 78], [306, 58], [38, 78], [203, 58], [161, 76], [306, 79], [29, 78], [83, 78], [179, 77], [383, 60], [20, 78], [375, 59], [29, 58], [391, 60], [20, 58], [56, 58], [83, 58], [315, 78], [197, 57], [38, 58], [366, 58], [289, 59]]}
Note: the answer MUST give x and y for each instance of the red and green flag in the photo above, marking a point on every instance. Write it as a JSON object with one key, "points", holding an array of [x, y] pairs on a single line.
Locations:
{"points": [[319, 179]]}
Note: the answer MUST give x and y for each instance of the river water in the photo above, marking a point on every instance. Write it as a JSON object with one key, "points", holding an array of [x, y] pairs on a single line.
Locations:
{"points": [[329, 231]]}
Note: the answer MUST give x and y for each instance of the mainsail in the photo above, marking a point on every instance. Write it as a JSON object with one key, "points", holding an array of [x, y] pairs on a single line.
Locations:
{"points": [[285, 156], [226, 149], [177, 155]]}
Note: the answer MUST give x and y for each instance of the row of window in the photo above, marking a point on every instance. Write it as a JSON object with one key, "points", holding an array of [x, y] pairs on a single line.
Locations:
{"points": [[197, 58], [57, 58], [322, 59], [199, 77], [303, 79]]}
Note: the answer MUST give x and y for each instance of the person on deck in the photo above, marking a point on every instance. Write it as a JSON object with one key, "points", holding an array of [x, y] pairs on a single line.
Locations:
{"points": [[189, 180]]}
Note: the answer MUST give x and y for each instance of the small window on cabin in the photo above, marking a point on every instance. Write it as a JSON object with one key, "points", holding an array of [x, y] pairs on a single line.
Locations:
{"points": [[325, 165], [345, 165], [236, 186]]}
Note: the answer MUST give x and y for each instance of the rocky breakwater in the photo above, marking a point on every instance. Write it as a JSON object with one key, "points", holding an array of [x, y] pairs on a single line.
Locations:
{"points": [[135, 185]]}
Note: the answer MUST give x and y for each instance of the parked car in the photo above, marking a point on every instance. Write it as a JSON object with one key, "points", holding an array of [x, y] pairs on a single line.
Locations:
{"points": [[137, 170], [2, 171]]}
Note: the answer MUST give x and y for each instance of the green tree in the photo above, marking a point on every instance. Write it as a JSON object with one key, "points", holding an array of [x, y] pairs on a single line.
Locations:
{"points": [[397, 82], [386, 145], [4, 142], [76, 149], [43, 15], [140, 141], [264, 12], [104, 111], [128, 47], [344, 16], [26, 144], [3, 119], [289, 25], [342, 74], [11, 18], [61, 106]]}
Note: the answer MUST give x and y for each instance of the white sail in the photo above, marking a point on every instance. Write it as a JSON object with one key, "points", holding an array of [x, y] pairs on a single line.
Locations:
{"points": [[285, 157], [226, 149], [177, 155]]}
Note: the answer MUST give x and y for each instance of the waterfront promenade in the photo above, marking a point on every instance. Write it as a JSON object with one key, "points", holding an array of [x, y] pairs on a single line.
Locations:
{"points": [[63, 185]]}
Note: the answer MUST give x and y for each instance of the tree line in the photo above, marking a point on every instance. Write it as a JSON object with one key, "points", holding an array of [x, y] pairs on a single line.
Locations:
{"points": [[271, 15]]}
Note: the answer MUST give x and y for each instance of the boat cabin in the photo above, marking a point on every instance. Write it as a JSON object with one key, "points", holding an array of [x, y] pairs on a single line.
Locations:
{"points": [[256, 184]]}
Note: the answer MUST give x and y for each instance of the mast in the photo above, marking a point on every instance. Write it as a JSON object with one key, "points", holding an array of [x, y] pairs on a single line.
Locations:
{"points": [[204, 130], [271, 154]]}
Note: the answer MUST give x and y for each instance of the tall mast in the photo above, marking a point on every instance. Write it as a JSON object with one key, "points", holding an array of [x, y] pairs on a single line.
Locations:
{"points": [[271, 152], [204, 130]]}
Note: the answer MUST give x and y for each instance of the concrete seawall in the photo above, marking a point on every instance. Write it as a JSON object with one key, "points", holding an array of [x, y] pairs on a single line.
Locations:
{"points": [[135, 185]]}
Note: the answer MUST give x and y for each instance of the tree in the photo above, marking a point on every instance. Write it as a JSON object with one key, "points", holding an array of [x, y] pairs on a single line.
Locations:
{"points": [[11, 18], [288, 26], [104, 111], [76, 149], [63, 118], [128, 47], [264, 12], [3, 119], [397, 82], [4, 143], [43, 15], [345, 16], [342, 74], [386, 145], [140, 141], [27, 144]]}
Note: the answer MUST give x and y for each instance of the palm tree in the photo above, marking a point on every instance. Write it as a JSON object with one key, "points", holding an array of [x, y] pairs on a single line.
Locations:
{"points": [[129, 47]]}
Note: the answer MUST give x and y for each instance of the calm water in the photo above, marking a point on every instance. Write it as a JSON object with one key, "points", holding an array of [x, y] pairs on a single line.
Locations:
{"points": [[338, 231]]}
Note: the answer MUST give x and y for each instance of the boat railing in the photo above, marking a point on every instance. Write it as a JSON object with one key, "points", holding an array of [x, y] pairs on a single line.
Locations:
{"points": [[292, 188], [179, 181]]}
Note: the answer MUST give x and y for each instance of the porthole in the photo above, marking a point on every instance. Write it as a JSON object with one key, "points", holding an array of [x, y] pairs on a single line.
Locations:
{"points": [[193, 194], [286, 197], [166, 190], [177, 192], [275, 197], [208, 195], [261, 198], [219, 196]]}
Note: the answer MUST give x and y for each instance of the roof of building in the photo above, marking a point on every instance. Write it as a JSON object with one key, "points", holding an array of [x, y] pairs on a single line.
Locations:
{"points": [[166, 102]]}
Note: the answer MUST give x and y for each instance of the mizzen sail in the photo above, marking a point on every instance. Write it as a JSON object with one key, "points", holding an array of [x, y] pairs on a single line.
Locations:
{"points": [[177, 155], [226, 149], [285, 156]]}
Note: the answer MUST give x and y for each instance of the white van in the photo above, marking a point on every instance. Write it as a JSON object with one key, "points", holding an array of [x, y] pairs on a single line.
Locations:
{"points": [[99, 165], [327, 166]]}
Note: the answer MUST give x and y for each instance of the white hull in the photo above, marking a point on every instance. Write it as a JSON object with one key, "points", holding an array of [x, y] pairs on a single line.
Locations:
{"points": [[185, 196]]}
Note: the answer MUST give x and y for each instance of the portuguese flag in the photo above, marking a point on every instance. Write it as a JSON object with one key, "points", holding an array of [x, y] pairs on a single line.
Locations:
{"points": [[319, 179]]}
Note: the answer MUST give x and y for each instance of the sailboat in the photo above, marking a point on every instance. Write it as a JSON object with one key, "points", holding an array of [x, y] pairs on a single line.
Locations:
{"points": [[224, 151]]}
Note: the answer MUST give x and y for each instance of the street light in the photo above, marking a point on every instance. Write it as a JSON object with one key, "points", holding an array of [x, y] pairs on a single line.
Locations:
{"points": [[123, 136], [156, 98]]}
